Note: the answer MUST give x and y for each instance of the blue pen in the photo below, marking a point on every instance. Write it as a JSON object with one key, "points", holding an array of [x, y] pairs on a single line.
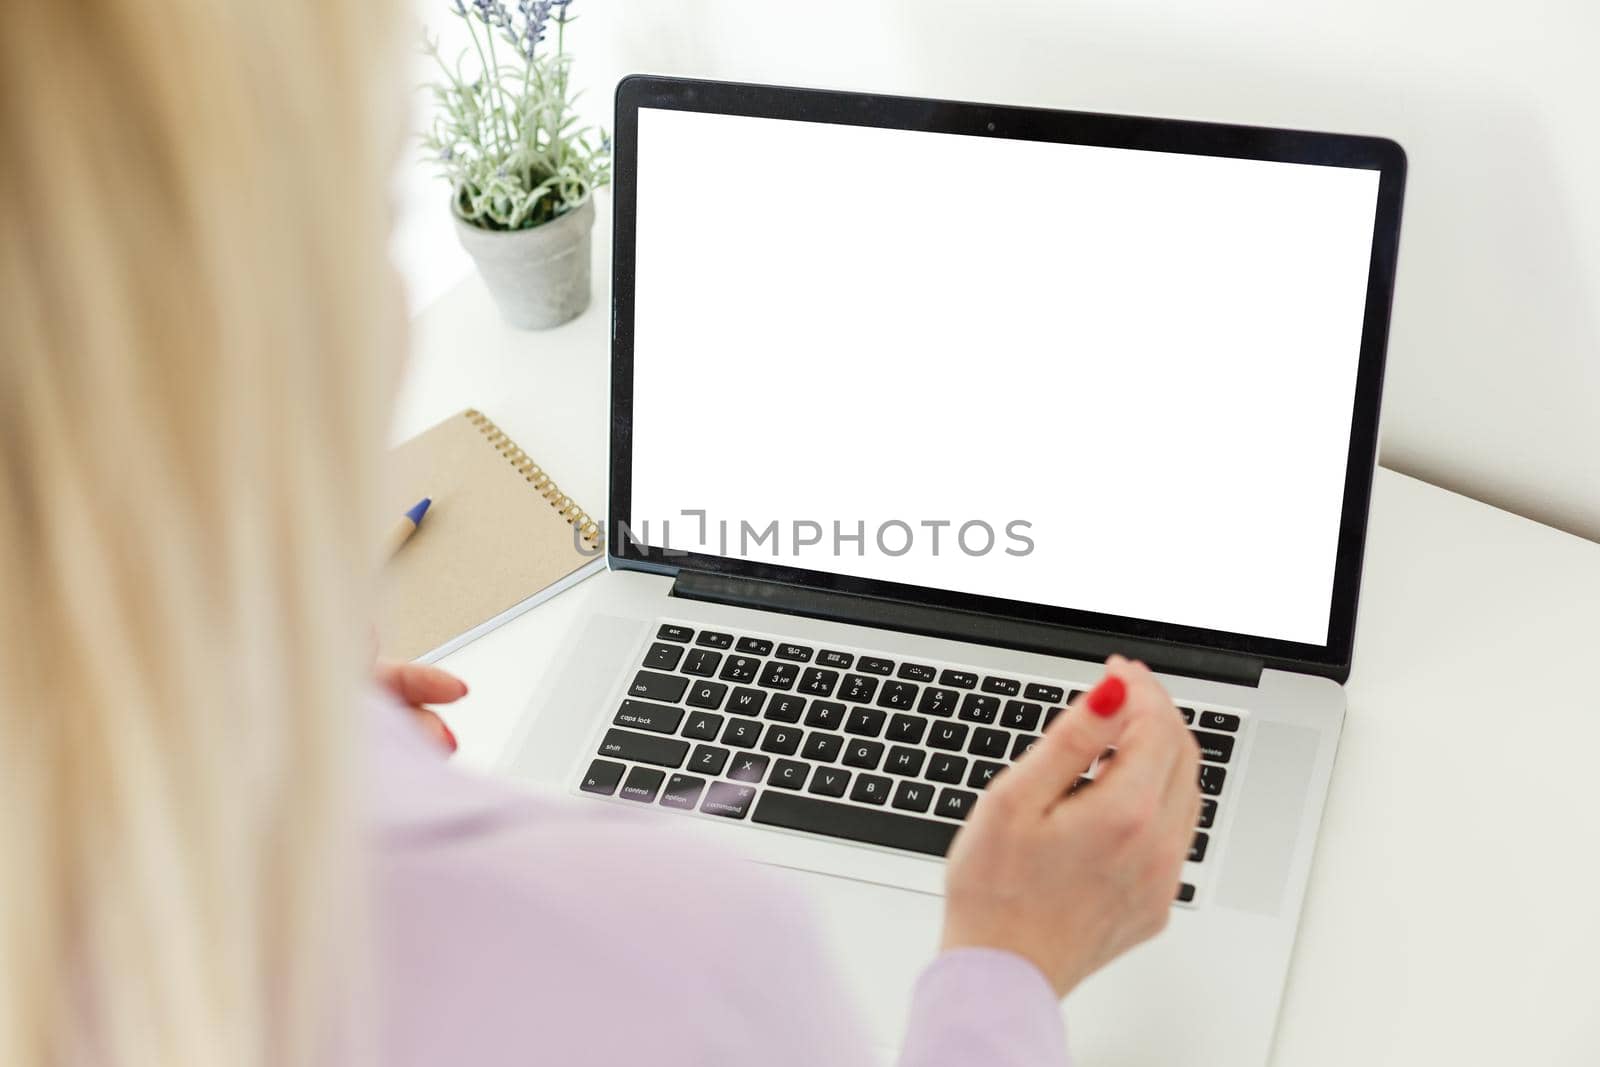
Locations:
{"points": [[402, 530]]}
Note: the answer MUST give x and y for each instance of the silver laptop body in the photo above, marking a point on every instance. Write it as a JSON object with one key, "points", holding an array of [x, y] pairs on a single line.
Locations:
{"points": [[834, 707]]}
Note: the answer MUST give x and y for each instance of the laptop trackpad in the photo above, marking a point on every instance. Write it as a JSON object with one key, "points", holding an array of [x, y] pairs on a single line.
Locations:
{"points": [[1266, 821]]}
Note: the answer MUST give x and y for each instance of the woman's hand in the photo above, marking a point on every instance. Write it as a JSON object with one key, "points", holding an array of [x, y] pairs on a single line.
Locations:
{"points": [[1070, 883], [414, 685]]}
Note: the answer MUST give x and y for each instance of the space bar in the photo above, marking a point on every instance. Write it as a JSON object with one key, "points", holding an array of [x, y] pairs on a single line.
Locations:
{"points": [[853, 823]]}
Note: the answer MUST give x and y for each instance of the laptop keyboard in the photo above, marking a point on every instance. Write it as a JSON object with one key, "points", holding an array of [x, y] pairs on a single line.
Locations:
{"points": [[843, 743]]}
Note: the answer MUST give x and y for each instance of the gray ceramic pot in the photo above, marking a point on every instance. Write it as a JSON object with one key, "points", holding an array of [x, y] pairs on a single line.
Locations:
{"points": [[539, 277]]}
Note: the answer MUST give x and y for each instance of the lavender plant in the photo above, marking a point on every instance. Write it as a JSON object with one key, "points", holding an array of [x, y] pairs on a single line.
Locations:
{"points": [[505, 134]]}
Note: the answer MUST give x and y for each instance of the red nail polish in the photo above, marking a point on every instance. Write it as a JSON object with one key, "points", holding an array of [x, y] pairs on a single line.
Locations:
{"points": [[449, 737], [1107, 697]]}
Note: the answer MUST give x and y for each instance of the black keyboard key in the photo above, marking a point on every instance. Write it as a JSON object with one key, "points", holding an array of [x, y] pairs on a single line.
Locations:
{"points": [[602, 778], [976, 708], [865, 722], [1050, 716], [1021, 715], [871, 788], [863, 754], [917, 672], [644, 748], [1219, 720], [983, 773], [1211, 777], [754, 646], [742, 733], [959, 679], [669, 632], [1208, 813], [748, 767], [857, 688], [713, 639], [1188, 715], [874, 665], [906, 761], [785, 708], [683, 791], [1006, 687], [1047, 694], [855, 823], [818, 682], [947, 768], [822, 748], [829, 782], [1214, 748], [642, 785], [1197, 850], [825, 715], [728, 800], [663, 657], [987, 741], [707, 695], [907, 729], [1022, 744], [797, 653], [1185, 892], [1074, 695], [788, 774], [778, 675], [842, 660], [657, 718], [913, 796], [653, 686], [898, 695], [740, 669], [784, 740], [702, 726], [939, 702], [701, 662], [955, 803], [708, 759], [746, 701], [949, 736]]}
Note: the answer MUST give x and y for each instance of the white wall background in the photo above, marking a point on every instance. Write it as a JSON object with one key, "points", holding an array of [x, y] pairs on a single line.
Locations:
{"points": [[1494, 369]]}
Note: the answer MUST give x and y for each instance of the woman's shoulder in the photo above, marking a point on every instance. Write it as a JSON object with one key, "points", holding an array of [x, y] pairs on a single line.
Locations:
{"points": [[424, 813], [598, 925]]}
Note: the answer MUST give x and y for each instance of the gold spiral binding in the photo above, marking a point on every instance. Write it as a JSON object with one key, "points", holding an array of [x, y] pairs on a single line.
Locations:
{"points": [[588, 529]]}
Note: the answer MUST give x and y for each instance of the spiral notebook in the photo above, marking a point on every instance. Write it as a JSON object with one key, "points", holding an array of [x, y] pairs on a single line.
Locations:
{"points": [[500, 538]]}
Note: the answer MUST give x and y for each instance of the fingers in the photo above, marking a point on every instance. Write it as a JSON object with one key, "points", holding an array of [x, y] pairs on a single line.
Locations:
{"points": [[435, 728], [1180, 800], [1068, 747], [415, 683], [1175, 824], [1149, 749]]}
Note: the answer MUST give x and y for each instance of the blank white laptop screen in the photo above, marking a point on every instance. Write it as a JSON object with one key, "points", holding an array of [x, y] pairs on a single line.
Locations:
{"points": [[1136, 369]]}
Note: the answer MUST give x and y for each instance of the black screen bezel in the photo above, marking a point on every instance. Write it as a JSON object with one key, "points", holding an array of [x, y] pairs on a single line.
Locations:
{"points": [[1038, 124]]}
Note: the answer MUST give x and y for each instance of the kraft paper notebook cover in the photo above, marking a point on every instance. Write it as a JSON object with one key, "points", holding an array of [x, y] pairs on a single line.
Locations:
{"points": [[500, 538]]}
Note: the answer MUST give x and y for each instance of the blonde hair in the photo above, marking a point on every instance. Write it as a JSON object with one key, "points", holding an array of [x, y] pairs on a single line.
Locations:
{"points": [[196, 327]]}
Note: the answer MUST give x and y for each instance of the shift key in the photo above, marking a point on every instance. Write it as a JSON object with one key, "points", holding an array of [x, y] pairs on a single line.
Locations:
{"points": [[654, 686], [643, 748]]}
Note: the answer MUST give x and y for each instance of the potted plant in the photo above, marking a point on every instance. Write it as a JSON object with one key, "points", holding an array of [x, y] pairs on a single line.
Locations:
{"points": [[522, 170]]}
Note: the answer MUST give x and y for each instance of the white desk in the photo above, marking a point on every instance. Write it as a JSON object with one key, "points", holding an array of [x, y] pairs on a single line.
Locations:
{"points": [[1453, 915]]}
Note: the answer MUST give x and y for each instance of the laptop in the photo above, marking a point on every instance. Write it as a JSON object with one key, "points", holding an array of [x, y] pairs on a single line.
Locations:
{"points": [[920, 409]]}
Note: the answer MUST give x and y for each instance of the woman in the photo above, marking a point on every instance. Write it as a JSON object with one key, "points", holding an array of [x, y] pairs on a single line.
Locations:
{"points": [[218, 847]]}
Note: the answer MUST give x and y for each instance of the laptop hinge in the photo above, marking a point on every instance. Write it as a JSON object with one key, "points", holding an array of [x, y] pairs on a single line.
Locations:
{"points": [[958, 625]]}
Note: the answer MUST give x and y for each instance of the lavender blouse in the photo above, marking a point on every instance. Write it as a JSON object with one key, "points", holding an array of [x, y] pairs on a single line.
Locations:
{"points": [[517, 930]]}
